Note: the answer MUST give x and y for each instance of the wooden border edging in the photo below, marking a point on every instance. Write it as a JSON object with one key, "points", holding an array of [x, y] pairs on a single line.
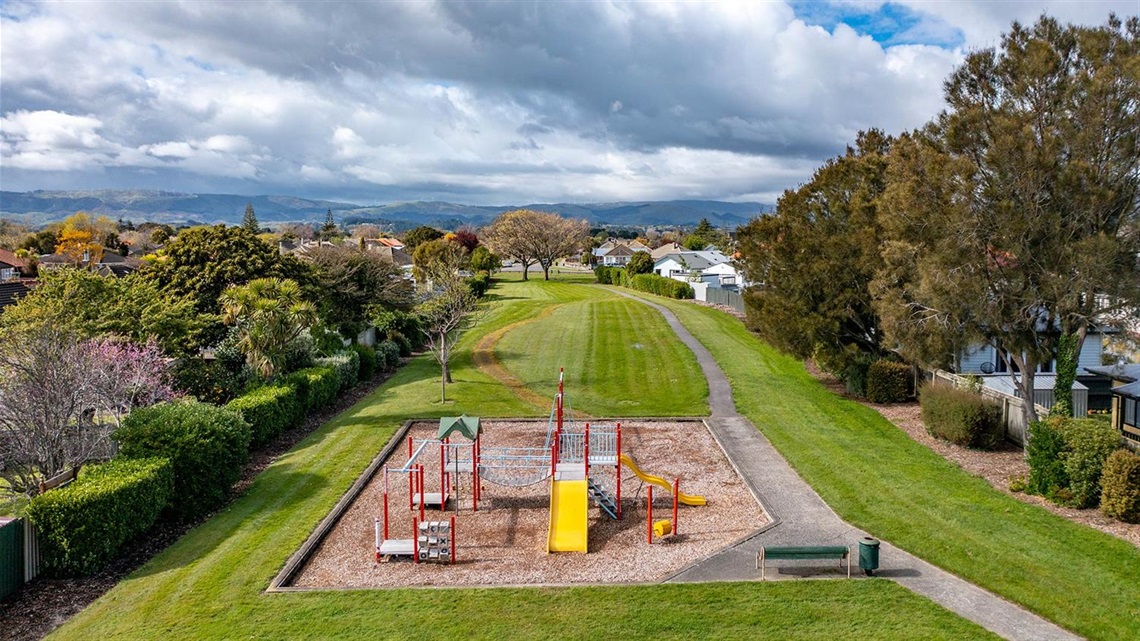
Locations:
{"points": [[281, 582], [309, 547]]}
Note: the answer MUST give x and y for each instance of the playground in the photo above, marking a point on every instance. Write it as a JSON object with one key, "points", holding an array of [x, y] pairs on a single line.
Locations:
{"points": [[517, 530]]}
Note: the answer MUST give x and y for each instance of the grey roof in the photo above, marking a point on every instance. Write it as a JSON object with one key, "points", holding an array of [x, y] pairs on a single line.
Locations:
{"points": [[1127, 372], [1041, 382], [1131, 390], [9, 292], [695, 260]]}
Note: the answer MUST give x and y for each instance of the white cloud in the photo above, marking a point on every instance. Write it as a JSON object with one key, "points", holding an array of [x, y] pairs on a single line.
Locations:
{"points": [[473, 101]]}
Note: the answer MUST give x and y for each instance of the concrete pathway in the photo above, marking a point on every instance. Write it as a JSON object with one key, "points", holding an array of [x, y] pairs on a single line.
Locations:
{"points": [[800, 517]]}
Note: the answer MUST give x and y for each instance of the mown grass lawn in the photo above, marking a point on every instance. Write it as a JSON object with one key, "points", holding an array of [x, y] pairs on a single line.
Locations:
{"points": [[879, 479], [209, 585], [616, 364]]}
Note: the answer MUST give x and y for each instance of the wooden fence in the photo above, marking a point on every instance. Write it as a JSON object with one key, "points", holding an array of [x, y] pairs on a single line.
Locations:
{"points": [[1012, 407]]}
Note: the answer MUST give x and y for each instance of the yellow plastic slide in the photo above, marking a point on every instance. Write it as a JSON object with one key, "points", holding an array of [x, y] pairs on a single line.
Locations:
{"points": [[687, 499], [569, 506]]}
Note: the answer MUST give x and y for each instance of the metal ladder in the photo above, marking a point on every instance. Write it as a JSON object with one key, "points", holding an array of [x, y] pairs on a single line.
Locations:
{"points": [[603, 499]]}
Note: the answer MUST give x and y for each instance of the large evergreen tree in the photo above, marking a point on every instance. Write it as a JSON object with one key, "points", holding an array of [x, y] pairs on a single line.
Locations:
{"points": [[814, 258], [1013, 217], [249, 220]]}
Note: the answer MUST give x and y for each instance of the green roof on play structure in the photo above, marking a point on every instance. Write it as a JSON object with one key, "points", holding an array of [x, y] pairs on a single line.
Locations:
{"points": [[465, 425]]}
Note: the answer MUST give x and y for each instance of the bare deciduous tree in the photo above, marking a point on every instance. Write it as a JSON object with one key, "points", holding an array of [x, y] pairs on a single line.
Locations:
{"points": [[59, 397], [535, 237], [443, 316]]}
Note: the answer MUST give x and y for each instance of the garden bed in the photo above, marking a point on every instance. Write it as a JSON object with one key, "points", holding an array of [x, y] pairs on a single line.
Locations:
{"points": [[997, 467], [504, 542]]}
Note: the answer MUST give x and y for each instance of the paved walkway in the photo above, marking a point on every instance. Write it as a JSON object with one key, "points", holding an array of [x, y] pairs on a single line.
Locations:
{"points": [[799, 516]]}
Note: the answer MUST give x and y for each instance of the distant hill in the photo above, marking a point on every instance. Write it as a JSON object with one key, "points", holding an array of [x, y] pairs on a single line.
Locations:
{"points": [[41, 207]]}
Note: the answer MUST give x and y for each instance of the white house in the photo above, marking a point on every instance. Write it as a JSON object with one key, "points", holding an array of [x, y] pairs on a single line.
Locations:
{"points": [[712, 267], [616, 253]]}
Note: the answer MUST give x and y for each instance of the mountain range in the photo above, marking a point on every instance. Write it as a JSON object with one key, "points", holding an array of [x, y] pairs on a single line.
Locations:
{"points": [[41, 207]]}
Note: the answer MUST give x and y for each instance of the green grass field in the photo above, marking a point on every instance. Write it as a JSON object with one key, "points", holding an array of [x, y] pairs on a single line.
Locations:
{"points": [[209, 585], [879, 479]]}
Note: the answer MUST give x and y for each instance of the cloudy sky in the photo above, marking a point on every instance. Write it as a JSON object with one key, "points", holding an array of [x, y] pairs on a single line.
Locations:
{"points": [[482, 103]]}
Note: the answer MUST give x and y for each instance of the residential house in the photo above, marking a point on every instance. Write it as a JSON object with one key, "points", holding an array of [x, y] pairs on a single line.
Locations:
{"points": [[984, 359], [616, 253], [1125, 398], [109, 264], [394, 243], [11, 266], [11, 291], [397, 255]]}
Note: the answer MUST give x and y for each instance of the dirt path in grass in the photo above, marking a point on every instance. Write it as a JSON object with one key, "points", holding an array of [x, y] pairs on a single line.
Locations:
{"points": [[484, 357]]}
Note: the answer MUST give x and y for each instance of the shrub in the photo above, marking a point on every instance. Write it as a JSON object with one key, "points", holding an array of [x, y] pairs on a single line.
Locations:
{"points": [[387, 355], [390, 323], [888, 382], [961, 417], [300, 353], [322, 386], [1088, 444], [269, 410], [602, 274], [404, 345], [210, 382], [368, 364], [479, 284], [1047, 476], [206, 445], [83, 526], [659, 285], [299, 381], [347, 366], [1120, 487], [855, 373]]}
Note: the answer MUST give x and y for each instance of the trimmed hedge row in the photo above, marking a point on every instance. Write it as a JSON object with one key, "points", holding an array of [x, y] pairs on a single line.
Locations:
{"points": [[206, 445], [659, 285], [368, 362], [961, 416], [888, 382], [84, 525], [269, 410], [347, 366], [1120, 487], [320, 384]]}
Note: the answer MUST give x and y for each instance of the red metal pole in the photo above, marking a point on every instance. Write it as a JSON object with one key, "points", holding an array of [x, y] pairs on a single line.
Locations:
{"points": [[649, 515], [385, 504], [415, 540], [453, 539], [676, 497], [617, 468]]}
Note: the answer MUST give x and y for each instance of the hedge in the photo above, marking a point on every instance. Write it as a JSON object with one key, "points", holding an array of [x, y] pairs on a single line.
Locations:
{"points": [[961, 416], [269, 410], [654, 284], [368, 361], [479, 284], [1120, 487], [321, 385], [299, 381], [1066, 458], [207, 446], [83, 526], [387, 355], [888, 382], [347, 366]]}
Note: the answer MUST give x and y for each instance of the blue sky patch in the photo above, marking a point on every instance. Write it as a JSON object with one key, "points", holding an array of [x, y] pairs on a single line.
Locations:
{"points": [[889, 24]]}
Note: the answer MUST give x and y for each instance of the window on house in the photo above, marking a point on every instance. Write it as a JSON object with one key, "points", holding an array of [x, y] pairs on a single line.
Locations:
{"points": [[1000, 365], [1130, 412]]}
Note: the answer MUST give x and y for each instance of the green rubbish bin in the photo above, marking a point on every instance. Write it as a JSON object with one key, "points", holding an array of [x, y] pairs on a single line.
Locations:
{"points": [[869, 555]]}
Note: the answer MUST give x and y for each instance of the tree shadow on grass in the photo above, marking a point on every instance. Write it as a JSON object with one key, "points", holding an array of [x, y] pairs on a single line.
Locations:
{"points": [[274, 490]]}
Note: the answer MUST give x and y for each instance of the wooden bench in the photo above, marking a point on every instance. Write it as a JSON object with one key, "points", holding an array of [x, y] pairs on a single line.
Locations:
{"points": [[803, 552]]}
